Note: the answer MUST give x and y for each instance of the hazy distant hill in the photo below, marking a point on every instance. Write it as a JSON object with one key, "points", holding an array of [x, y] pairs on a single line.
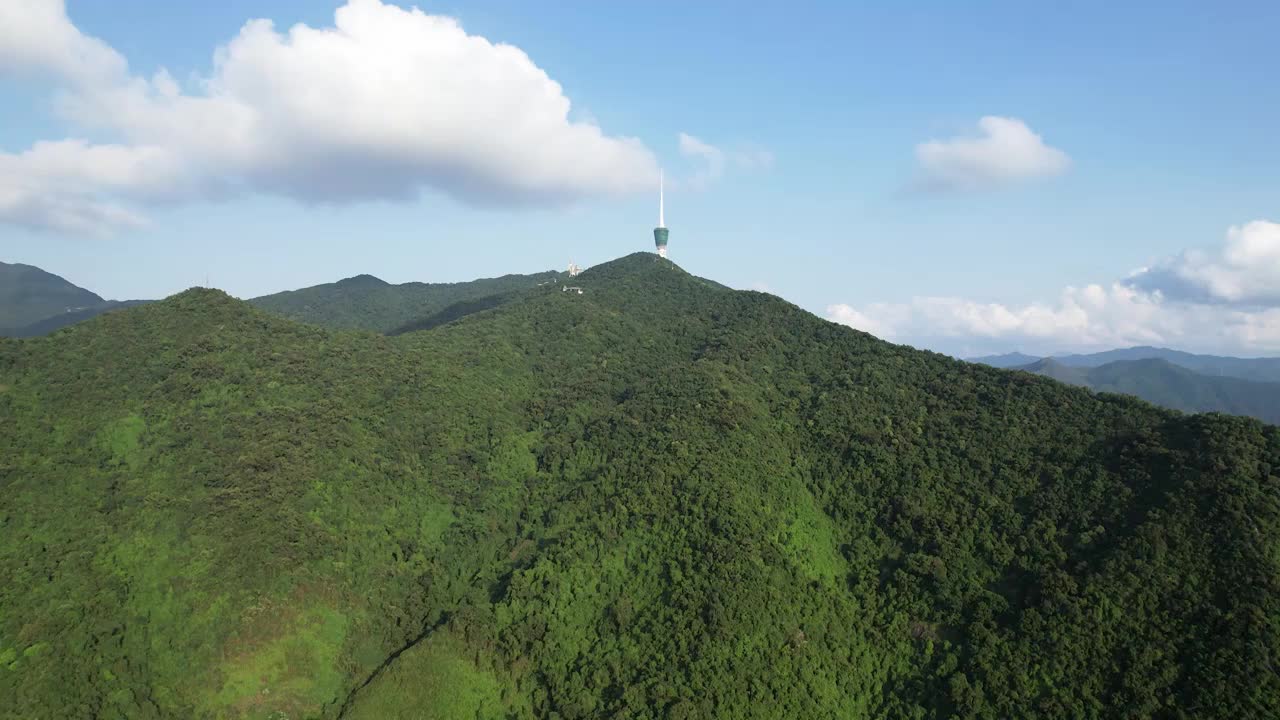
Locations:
{"points": [[1049, 367], [1164, 383], [1008, 360], [657, 499], [61, 320], [367, 303], [1260, 369], [29, 294]]}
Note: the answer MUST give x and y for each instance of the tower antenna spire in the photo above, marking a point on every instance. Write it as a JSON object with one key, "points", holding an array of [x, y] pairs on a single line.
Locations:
{"points": [[660, 232]]}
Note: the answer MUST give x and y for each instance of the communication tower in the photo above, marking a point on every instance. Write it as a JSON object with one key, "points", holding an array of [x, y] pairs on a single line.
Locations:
{"points": [[660, 232]]}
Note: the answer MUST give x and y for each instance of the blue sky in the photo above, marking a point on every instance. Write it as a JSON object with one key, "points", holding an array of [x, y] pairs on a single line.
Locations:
{"points": [[1163, 116]]}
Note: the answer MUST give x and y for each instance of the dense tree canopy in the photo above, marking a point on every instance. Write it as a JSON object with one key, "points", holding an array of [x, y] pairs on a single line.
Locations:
{"points": [[657, 499]]}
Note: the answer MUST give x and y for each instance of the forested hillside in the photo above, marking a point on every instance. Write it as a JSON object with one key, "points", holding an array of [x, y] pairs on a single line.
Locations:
{"points": [[657, 499], [366, 303]]}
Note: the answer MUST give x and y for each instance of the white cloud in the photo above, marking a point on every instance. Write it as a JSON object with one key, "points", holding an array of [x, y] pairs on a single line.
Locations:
{"points": [[65, 212], [859, 320], [1245, 272], [1007, 151], [381, 105], [715, 160], [1090, 317], [36, 35]]}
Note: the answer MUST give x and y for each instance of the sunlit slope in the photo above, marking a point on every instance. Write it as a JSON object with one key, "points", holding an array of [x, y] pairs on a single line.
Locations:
{"points": [[659, 498], [211, 512]]}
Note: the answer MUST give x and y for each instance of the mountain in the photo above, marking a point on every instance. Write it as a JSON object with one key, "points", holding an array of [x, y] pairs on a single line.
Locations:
{"points": [[367, 303], [29, 294], [1050, 367], [1008, 360], [61, 320], [1259, 369], [655, 499], [1163, 383], [460, 310]]}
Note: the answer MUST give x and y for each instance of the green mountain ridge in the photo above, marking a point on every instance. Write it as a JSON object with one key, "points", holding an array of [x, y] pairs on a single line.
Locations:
{"points": [[656, 499], [361, 302], [365, 302]]}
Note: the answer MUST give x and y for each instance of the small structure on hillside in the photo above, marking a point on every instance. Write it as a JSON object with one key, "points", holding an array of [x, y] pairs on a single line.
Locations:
{"points": [[567, 288]]}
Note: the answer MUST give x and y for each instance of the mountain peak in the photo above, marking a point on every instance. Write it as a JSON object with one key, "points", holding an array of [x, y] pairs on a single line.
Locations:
{"points": [[636, 262], [363, 280], [199, 295], [203, 303]]}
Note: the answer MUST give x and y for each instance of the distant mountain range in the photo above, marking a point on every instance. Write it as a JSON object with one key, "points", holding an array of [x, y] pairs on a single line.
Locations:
{"points": [[1161, 382], [1171, 378], [1260, 369], [1008, 361]]}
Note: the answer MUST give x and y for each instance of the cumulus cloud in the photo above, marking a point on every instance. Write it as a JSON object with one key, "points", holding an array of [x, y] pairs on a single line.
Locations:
{"points": [[59, 185], [1091, 317], [1006, 151], [31, 207], [715, 160], [383, 104], [35, 34], [1244, 272]]}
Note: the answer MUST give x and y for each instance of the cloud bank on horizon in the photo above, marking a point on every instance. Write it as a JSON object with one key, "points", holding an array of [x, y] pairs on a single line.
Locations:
{"points": [[382, 105], [1224, 300], [1244, 273]]}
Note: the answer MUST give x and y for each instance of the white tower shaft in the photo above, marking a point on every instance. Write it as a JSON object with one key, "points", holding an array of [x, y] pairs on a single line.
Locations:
{"points": [[661, 221]]}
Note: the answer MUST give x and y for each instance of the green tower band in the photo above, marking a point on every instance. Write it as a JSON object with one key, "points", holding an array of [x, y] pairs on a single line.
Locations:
{"points": [[660, 240]]}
